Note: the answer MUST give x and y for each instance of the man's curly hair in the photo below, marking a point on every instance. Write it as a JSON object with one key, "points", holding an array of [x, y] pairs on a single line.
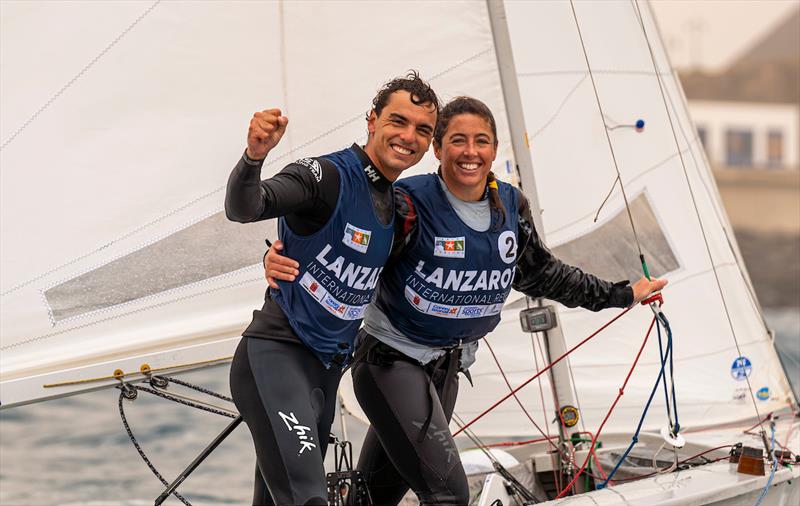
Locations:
{"points": [[420, 91]]}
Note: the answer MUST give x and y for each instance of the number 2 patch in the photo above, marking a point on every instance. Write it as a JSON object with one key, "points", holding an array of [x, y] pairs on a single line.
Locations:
{"points": [[507, 246]]}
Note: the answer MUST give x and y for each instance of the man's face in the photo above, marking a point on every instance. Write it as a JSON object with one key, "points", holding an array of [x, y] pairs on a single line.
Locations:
{"points": [[401, 135]]}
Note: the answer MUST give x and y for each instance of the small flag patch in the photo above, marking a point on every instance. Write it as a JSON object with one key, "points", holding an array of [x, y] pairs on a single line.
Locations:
{"points": [[449, 247], [356, 238]]}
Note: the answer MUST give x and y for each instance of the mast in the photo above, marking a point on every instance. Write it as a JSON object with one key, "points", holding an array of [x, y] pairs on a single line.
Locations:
{"points": [[561, 380]]}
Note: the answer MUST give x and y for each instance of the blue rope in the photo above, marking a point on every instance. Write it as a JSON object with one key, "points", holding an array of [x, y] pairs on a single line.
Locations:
{"points": [[663, 358], [774, 468], [635, 438], [677, 426]]}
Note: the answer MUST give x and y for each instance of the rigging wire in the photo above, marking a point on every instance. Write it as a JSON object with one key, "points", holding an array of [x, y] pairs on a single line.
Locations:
{"points": [[512, 481], [774, 468], [694, 141], [122, 397], [547, 368], [535, 343], [608, 139], [522, 406], [610, 410], [130, 391], [510, 388], [638, 13], [661, 375], [569, 459]]}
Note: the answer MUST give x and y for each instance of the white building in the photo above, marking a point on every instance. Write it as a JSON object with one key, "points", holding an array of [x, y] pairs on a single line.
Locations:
{"points": [[748, 116], [748, 134]]}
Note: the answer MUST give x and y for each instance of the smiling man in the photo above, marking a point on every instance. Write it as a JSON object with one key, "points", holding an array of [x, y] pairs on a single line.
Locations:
{"points": [[336, 219]]}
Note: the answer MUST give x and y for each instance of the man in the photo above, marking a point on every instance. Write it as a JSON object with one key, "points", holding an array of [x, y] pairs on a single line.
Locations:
{"points": [[336, 218]]}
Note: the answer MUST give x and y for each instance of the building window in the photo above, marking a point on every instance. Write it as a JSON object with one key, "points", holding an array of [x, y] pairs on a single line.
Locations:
{"points": [[739, 148], [774, 148], [702, 134]]}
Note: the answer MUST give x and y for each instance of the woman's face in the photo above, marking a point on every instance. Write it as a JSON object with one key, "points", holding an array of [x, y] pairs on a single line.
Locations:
{"points": [[467, 151]]}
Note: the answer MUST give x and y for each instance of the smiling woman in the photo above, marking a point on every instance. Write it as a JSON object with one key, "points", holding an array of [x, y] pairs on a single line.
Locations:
{"points": [[470, 144]]}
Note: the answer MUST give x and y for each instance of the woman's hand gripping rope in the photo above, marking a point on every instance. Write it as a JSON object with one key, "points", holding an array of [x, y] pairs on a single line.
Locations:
{"points": [[645, 286]]}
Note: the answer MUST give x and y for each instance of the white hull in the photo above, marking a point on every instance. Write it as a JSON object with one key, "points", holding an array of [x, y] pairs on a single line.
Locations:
{"points": [[716, 483]]}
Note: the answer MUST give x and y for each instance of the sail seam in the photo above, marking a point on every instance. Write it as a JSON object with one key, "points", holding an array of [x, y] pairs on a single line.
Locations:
{"points": [[560, 107], [139, 310], [80, 74], [631, 180], [602, 72]]}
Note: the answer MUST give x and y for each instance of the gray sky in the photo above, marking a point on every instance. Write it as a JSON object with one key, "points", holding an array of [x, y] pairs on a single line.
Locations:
{"points": [[711, 33]]}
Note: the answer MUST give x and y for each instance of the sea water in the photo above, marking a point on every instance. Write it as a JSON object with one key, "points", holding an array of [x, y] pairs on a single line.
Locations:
{"points": [[74, 451]]}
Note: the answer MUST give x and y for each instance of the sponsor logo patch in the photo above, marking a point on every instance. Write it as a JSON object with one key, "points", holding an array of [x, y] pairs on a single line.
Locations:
{"points": [[449, 247], [332, 304], [313, 166], [741, 368], [356, 238], [472, 311], [312, 286], [763, 394], [329, 302], [739, 394], [423, 305], [439, 309]]}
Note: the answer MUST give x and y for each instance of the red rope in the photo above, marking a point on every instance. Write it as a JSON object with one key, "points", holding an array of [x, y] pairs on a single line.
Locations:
{"points": [[559, 359], [510, 388], [599, 467], [610, 410], [512, 443], [522, 407]]}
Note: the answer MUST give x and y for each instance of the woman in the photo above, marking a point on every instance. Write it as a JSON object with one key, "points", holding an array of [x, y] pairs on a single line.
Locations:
{"points": [[462, 239]]}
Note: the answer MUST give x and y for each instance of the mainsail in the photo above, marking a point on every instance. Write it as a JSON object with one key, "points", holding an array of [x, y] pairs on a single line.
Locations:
{"points": [[117, 140]]}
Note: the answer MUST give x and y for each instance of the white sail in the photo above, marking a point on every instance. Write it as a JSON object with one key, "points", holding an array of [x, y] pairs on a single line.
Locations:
{"points": [[679, 219], [117, 140]]}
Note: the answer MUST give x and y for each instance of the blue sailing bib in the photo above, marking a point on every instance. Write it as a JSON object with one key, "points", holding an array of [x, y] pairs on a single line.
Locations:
{"points": [[450, 286], [339, 266]]}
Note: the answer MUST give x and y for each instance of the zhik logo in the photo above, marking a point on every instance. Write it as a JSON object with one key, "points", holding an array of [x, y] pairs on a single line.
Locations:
{"points": [[294, 426]]}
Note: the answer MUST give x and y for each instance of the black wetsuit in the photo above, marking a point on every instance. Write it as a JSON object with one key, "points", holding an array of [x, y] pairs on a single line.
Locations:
{"points": [[399, 395], [283, 391]]}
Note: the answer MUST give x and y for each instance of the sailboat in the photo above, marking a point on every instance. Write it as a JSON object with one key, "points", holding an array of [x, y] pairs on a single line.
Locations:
{"points": [[118, 263]]}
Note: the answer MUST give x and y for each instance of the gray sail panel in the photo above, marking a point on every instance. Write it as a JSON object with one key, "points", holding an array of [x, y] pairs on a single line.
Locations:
{"points": [[607, 250], [210, 248]]}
